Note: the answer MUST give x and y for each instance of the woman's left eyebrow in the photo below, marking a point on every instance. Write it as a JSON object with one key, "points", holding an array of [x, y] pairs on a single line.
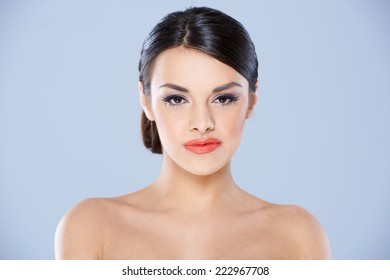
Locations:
{"points": [[226, 86]]}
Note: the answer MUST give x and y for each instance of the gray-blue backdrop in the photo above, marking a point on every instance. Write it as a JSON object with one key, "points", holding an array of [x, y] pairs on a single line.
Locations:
{"points": [[69, 114]]}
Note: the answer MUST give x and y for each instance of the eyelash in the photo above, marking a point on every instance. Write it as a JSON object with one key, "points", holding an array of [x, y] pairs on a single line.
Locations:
{"points": [[169, 100], [232, 99]]}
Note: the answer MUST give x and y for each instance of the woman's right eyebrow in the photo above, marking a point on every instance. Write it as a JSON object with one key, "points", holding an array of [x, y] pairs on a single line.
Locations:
{"points": [[175, 87]]}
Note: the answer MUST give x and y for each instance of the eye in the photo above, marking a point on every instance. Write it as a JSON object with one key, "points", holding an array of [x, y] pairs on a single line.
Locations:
{"points": [[174, 100], [226, 99]]}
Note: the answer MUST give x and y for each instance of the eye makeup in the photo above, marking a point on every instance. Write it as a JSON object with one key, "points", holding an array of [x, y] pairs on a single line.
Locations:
{"points": [[174, 100], [226, 99], [222, 99]]}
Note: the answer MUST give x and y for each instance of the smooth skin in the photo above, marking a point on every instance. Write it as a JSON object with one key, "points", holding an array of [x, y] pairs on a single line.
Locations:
{"points": [[194, 210]]}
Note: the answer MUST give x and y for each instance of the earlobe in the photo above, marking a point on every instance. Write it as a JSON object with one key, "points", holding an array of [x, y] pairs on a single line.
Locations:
{"points": [[252, 102], [144, 100]]}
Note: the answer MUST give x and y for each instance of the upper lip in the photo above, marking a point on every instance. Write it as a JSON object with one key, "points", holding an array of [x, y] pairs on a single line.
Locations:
{"points": [[202, 142]]}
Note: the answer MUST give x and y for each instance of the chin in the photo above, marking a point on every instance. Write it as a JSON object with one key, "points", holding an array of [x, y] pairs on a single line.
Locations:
{"points": [[203, 171], [203, 168], [200, 165]]}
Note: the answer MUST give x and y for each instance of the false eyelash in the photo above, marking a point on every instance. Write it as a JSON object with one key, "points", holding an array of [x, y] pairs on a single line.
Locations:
{"points": [[232, 98], [168, 99]]}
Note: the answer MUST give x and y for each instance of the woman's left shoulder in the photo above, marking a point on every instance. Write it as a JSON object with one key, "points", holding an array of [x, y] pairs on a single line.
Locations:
{"points": [[304, 234]]}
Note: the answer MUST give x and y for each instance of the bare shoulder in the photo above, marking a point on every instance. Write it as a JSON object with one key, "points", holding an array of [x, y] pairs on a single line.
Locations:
{"points": [[304, 236], [80, 232], [83, 231]]}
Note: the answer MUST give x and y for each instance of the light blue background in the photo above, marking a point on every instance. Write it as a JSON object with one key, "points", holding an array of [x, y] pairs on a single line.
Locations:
{"points": [[69, 114]]}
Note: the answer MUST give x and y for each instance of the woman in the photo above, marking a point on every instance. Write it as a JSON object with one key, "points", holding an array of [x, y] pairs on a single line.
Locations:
{"points": [[197, 84]]}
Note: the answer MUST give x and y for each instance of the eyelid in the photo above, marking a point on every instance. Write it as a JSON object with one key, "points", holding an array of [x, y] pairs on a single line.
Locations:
{"points": [[167, 99], [226, 95], [232, 97]]}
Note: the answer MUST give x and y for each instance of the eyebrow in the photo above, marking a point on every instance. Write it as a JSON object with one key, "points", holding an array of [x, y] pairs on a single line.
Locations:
{"points": [[216, 90], [175, 87], [226, 86]]}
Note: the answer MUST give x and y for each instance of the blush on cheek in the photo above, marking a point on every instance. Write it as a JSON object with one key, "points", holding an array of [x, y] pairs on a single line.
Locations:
{"points": [[233, 130], [237, 121], [238, 129], [167, 129]]}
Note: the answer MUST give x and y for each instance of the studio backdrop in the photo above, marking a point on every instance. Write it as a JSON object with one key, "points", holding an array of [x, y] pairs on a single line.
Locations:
{"points": [[70, 115]]}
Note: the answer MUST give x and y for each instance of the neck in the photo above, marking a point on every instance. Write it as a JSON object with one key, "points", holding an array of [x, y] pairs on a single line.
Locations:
{"points": [[179, 190]]}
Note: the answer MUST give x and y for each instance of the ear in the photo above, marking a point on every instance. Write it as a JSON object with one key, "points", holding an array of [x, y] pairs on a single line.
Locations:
{"points": [[252, 101], [145, 102]]}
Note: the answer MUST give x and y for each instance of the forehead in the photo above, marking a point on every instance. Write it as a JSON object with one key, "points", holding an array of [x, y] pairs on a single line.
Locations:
{"points": [[192, 68]]}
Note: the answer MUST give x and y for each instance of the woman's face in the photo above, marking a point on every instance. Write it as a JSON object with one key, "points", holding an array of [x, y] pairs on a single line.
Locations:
{"points": [[200, 106]]}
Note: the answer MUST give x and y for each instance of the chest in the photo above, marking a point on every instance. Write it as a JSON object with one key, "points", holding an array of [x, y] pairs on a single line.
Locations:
{"points": [[166, 239]]}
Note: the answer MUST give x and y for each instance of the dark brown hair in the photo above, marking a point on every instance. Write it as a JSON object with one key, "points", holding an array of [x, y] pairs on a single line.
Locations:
{"points": [[201, 28]]}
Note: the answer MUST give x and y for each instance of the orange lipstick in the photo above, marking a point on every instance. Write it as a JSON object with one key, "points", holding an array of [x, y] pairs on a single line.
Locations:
{"points": [[202, 146]]}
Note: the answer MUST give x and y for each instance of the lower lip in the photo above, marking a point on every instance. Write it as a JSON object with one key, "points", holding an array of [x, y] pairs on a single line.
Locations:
{"points": [[202, 149]]}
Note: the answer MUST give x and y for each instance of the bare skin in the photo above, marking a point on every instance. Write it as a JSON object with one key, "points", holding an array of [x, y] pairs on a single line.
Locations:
{"points": [[226, 224], [194, 210]]}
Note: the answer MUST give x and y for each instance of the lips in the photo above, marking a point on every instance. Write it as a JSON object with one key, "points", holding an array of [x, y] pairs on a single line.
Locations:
{"points": [[202, 146]]}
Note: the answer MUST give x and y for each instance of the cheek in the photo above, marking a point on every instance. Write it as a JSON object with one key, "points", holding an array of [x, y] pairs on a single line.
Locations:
{"points": [[233, 122], [168, 125], [235, 133]]}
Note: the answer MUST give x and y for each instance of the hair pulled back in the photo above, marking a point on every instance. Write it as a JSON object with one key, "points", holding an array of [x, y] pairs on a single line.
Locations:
{"points": [[207, 30]]}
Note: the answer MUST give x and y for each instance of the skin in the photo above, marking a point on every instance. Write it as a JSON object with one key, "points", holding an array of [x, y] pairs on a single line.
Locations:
{"points": [[194, 210]]}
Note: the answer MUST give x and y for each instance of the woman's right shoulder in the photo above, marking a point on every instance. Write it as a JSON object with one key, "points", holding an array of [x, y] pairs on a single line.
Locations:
{"points": [[79, 234], [87, 211], [82, 231]]}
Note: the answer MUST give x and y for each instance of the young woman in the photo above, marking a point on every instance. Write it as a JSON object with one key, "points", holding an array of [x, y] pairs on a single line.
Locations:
{"points": [[197, 84]]}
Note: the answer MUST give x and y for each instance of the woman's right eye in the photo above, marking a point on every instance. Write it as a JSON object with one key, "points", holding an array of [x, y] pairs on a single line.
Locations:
{"points": [[174, 100]]}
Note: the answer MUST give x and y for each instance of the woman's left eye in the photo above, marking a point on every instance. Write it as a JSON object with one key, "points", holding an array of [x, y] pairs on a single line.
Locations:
{"points": [[226, 99]]}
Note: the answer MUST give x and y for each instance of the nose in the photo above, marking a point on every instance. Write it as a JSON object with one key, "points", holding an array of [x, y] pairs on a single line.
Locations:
{"points": [[201, 120]]}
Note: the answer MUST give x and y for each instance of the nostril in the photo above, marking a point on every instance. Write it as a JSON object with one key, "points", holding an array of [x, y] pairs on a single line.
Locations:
{"points": [[202, 120], [202, 130]]}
